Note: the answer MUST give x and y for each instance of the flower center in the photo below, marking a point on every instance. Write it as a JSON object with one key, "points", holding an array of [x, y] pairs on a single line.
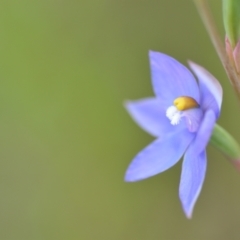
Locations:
{"points": [[184, 103], [185, 107]]}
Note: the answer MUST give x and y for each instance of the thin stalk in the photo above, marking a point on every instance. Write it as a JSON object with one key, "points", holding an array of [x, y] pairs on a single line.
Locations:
{"points": [[211, 28]]}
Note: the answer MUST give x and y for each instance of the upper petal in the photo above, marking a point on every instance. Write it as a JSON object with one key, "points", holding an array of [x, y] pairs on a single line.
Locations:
{"points": [[192, 178], [204, 133], [160, 155], [210, 89], [171, 79], [150, 114]]}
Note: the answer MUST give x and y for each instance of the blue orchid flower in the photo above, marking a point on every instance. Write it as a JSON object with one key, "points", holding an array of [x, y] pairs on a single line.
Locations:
{"points": [[181, 117]]}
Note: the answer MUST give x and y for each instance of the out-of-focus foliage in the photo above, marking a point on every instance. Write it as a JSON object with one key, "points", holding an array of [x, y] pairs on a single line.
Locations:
{"points": [[231, 17], [65, 69]]}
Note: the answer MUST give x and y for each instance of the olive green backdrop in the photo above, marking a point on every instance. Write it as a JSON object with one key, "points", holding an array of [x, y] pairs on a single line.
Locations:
{"points": [[66, 66]]}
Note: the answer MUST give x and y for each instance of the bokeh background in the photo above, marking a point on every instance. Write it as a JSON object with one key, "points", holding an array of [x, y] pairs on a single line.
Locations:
{"points": [[66, 66]]}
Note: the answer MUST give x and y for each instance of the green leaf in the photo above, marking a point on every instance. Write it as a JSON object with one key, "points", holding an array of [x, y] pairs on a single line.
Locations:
{"points": [[223, 141], [231, 19]]}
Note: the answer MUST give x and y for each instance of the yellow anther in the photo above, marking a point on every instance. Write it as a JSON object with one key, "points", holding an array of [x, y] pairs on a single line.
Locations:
{"points": [[184, 103]]}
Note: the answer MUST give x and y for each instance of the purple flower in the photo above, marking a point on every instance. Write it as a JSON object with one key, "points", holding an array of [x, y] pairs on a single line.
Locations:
{"points": [[181, 117]]}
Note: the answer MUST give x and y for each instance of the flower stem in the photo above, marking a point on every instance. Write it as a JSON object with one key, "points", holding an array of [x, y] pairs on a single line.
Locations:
{"points": [[224, 142], [211, 28]]}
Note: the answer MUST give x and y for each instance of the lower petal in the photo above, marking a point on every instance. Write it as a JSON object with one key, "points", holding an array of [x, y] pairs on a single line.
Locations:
{"points": [[192, 178], [160, 155]]}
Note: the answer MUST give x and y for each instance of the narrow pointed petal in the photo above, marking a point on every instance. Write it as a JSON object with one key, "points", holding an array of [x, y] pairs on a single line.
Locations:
{"points": [[204, 133], [171, 79], [192, 178], [210, 88], [150, 115], [160, 155]]}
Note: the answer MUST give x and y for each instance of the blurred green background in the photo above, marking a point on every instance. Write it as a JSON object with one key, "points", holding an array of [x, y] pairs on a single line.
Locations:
{"points": [[66, 66]]}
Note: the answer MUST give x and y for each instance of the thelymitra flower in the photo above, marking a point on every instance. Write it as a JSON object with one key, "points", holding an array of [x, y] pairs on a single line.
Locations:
{"points": [[181, 116]]}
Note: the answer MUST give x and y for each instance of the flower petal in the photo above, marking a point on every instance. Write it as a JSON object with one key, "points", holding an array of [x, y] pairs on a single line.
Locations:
{"points": [[210, 88], [192, 178], [193, 118], [204, 133], [150, 114], [171, 79], [159, 156]]}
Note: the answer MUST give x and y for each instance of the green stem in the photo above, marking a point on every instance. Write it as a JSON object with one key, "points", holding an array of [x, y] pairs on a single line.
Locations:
{"points": [[224, 142], [209, 24]]}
